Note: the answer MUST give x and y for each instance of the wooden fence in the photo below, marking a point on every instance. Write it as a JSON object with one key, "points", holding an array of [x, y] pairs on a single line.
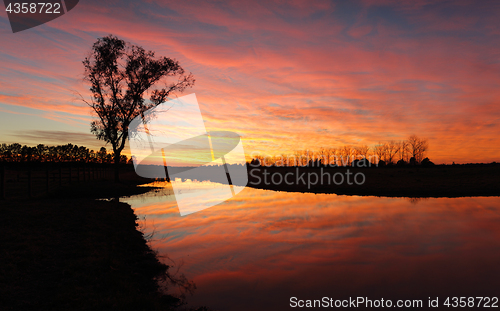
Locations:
{"points": [[33, 182]]}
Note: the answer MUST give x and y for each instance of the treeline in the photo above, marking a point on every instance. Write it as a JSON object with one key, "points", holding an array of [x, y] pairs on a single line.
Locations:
{"points": [[63, 153], [411, 151]]}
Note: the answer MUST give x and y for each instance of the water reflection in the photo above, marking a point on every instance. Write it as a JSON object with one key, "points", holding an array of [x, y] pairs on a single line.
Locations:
{"points": [[262, 247]]}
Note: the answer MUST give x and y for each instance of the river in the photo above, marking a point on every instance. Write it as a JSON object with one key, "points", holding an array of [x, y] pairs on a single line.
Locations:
{"points": [[261, 248]]}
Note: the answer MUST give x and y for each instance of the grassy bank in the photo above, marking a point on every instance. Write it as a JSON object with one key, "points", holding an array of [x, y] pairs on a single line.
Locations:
{"points": [[68, 251], [436, 181]]}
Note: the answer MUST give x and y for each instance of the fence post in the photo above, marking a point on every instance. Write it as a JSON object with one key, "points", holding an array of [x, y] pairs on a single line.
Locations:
{"points": [[48, 181], [60, 176], [2, 183], [30, 186], [69, 175], [78, 174]]}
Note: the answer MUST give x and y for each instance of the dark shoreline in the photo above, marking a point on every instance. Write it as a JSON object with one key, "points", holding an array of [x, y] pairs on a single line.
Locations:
{"points": [[435, 181], [69, 251], [391, 181]]}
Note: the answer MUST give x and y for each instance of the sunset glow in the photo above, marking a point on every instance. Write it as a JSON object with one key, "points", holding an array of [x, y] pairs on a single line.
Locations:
{"points": [[285, 75]]}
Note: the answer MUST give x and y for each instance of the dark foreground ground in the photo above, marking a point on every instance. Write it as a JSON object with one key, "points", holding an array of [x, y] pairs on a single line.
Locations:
{"points": [[68, 251], [436, 181]]}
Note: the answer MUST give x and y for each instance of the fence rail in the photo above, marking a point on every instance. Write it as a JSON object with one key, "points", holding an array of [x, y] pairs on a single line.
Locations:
{"points": [[33, 182]]}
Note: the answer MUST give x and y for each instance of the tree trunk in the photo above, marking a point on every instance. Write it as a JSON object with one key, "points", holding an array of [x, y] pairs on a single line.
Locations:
{"points": [[117, 166]]}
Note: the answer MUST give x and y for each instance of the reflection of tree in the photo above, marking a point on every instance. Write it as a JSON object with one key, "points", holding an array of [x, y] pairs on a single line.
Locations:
{"points": [[416, 200]]}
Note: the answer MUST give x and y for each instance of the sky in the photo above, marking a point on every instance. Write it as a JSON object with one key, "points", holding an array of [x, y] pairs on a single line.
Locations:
{"points": [[285, 75]]}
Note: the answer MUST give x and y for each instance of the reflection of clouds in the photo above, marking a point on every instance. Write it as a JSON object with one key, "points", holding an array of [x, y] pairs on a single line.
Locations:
{"points": [[278, 244]]}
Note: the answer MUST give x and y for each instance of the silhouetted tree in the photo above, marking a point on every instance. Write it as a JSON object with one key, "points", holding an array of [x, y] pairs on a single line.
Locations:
{"points": [[403, 150], [401, 162], [255, 162], [331, 153], [120, 74], [392, 149], [380, 152], [426, 162], [413, 161], [361, 163], [383, 154], [363, 151], [64, 153], [418, 147], [346, 155]]}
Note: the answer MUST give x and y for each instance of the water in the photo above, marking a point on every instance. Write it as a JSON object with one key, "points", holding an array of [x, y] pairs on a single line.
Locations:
{"points": [[259, 249]]}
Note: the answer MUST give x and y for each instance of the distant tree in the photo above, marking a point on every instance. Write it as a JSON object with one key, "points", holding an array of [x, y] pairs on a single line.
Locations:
{"points": [[346, 155], [255, 162], [101, 154], [361, 163], [418, 147], [323, 154], [403, 150], [297, 155], [363, 151], [330, 153], [40, 152], [401, 162], [123, 159], [392, 149], [120, 74], [332, 158], [285, 160], [27, 153], [304, 159], [413, 161], [427, 162], [379, 151]]}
